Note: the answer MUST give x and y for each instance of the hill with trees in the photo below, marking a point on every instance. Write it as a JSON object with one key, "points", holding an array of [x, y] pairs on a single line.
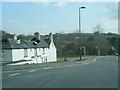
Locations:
{"points": [[68, 44], [91, 43]]}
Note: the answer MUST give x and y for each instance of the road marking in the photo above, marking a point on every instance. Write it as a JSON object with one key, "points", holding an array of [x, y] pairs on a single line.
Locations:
{"points": [[94, 60], [47, 67], [32, 70], [71, 65], [14, 74]]}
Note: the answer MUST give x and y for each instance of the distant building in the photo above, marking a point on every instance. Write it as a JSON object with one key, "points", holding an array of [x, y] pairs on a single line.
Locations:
{"points": [[39, 49]]}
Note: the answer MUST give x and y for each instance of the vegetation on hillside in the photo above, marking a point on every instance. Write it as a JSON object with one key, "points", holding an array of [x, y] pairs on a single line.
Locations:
{"points": [[68, 44]]}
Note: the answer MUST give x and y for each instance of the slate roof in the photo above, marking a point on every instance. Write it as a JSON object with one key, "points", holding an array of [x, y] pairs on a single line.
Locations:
{"points": [[48, 41], [11, 44]]}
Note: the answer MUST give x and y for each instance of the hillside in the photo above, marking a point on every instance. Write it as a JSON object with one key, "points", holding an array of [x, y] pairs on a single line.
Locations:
{"points": [[91, 43]]}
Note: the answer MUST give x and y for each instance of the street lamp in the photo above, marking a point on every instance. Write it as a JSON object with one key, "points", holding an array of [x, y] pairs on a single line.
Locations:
{"points": [[80, 31]]}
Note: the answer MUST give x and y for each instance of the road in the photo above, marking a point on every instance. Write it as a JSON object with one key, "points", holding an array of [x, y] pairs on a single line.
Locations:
{"points": [[102, 73]]}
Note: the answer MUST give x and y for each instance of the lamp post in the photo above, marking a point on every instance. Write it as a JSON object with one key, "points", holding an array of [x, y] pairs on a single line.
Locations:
{"points": [[80, 39]]}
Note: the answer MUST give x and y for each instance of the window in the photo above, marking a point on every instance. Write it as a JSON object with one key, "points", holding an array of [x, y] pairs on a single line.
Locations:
{"points": [[35, 52], [43, 50], [25, 53]]}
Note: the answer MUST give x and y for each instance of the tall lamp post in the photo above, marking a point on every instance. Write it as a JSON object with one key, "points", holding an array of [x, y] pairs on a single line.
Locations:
{"points": [[80, 39]]}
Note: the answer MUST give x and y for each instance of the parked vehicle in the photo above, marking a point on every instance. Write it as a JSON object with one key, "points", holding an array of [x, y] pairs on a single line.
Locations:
{"points": [[116, 54]]}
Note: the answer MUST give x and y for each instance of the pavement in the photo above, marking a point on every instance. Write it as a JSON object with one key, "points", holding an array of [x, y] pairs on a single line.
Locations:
{"points": [[69, 62]]}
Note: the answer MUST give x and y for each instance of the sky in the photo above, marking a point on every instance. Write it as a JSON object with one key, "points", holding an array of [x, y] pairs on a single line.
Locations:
{"points": [[58, 17]]}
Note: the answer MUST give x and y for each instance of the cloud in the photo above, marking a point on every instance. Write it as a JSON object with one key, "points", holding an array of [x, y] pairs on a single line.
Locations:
{"points": [[13, 26], [42, 3], [60, 0], [57, 4], [60, 4], [110, 25], [40, 26], [111, 10], [110, 21], [26, 0]]}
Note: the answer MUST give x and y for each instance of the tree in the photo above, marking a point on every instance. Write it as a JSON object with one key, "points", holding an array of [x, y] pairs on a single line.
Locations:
{"points": [[102, 43], [71, 49], [6, 35], [98, 28]]}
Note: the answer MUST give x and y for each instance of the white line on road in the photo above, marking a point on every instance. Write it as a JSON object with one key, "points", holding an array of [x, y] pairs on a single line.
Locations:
{"points": [[14, 74], [71, 65], [47, 67], [32, 70], [94, 60]]}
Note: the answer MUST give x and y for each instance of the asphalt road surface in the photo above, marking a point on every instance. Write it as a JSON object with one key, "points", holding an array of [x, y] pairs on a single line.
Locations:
{"points": [[102, 73]]}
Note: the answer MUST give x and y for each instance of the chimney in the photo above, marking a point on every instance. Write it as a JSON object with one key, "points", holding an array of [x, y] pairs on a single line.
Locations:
{"points": [[37, 35], [51, 37], [15, 37]]}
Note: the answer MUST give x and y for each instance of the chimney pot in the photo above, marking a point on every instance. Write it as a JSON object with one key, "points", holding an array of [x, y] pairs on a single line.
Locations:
{"points": [[15, 37], [37, 35], [51, 37]]}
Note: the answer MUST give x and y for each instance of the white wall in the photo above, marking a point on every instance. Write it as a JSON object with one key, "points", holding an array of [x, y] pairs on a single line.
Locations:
{"points": [[6, 55], [47, 54], [17, 54], [43, 55], [52, 52], [30, 52]]}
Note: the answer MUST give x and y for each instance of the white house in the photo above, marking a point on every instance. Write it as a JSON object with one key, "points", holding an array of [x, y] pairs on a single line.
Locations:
{"points": [[39, 49]]}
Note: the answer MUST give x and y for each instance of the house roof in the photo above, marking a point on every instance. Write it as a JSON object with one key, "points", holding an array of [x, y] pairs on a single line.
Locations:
{"points": [[48, 41], [12, 44]]}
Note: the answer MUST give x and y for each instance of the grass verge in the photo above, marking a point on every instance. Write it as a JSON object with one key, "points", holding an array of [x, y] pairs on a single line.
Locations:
{"points": [[78, 60], [57, 61], [67, 56]]}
